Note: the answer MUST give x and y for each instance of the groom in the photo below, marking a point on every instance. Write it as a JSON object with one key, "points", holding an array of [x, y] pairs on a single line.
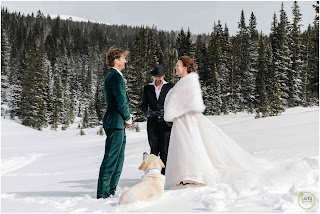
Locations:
{"points": [[159, 131], [115, 120]]}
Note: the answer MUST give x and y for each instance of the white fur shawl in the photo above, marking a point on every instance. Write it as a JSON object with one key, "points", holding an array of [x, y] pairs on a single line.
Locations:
{"points": [[184, 97]]}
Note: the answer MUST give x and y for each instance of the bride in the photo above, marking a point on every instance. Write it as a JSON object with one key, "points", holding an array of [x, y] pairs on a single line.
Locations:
{"points": [[199, 152]]}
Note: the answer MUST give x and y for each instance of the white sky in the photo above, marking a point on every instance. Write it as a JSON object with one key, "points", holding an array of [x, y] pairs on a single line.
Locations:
{"points": [[169, 15]]}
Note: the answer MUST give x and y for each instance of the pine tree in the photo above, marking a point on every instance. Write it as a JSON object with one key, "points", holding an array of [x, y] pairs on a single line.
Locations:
{"points": [[246, 77], [314, 59], [217, 57], [88, 85], [200, 53], [226, 69], [27, 109], [74, 52], [277, 106], [99, 102], [93, 117], [170, 65], [100, 131], [253, 58], [5, 65], [294, 78], [213, 104], [136, 72], [143, 58], [235, 79], [85, 118], [40, 89], [82, 132], [273, 35], [282, 56], [57, 117], [184, 44], [15, 78], [224, 107], [262, 99], [270, 78]]}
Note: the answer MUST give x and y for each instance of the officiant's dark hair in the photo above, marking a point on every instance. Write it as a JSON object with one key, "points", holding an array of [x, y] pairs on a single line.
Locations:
{"points": [[114, 53], [189, 63]]}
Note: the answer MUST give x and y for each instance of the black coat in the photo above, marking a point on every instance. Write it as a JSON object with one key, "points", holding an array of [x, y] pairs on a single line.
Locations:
{"points": [[149, 100], [158, 130]]}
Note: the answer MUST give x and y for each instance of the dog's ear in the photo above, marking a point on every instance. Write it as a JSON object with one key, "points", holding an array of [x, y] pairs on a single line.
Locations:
{"points": [[143, 166], [145, 156], [162, 164]]}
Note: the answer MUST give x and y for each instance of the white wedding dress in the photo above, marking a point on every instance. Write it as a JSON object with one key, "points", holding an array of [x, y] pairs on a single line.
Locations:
{"points": [[198, 150]]}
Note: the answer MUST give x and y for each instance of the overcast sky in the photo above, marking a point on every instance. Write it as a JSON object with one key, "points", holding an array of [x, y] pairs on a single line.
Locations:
{"points": [[199, 17]]}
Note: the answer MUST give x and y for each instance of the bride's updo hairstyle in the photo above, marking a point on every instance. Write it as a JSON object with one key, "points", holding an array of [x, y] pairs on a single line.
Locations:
{"points": [[189, 63]]}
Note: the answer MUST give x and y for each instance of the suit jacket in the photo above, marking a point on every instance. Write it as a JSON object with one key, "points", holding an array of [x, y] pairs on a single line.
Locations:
{"points": [[149, 100], [117, 101]]}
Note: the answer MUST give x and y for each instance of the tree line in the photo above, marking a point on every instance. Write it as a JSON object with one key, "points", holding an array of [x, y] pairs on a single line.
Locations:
{"points": [[52, 70]]}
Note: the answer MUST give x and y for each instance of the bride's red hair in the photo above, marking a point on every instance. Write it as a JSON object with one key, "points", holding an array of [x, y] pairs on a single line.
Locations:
{"points": [[189, 63]]}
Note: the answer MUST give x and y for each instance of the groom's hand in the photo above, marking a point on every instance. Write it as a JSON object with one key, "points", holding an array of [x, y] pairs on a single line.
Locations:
{"points": [[128, 125]]}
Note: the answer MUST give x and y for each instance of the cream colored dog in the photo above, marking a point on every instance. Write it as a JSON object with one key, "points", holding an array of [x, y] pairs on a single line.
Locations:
{"points": [[151, 185]]}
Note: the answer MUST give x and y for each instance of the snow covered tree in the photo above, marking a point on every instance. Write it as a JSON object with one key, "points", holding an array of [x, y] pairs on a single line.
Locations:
{"points": [[99, 102], [27, 109], [277, 106], [201, 59], [261, 94], [226, 70], [93, 117], [213, 101], [270, 78], [75, 53], [253, 58], [40, 88], [15, 84], [58, 101], [169, 66], [144, 55], [5, 65], [313, 64], [282, 56], [246, 77], [184, 44], [85, 118], [294, 77]]}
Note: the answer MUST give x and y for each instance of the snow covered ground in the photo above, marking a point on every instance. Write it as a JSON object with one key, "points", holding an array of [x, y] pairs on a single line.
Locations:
{"points": [[57, 171]]}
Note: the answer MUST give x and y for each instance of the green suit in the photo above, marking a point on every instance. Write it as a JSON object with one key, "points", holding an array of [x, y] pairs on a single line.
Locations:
{"points": [[117, 113]]}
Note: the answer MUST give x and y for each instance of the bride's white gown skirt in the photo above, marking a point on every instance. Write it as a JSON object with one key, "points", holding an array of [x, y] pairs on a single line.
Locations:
{"points": [[199, 151]]}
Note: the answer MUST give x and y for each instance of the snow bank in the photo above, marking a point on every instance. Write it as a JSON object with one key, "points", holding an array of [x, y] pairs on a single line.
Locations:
{"points": [[57, 171]]}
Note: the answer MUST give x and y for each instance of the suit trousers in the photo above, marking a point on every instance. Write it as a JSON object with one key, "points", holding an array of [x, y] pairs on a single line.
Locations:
{"points": [[159, 137], [111, 167]]}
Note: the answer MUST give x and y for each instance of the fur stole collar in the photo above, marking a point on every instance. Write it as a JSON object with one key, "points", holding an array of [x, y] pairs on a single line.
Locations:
{"points": [[184, 97]]}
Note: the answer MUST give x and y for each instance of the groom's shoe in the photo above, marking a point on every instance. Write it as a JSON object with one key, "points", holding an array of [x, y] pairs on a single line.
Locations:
{"points": [[103, 196]]}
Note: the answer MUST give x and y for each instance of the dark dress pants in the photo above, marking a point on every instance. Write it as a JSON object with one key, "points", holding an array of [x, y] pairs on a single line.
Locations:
{"points": [[111, 167], [159, 137]]}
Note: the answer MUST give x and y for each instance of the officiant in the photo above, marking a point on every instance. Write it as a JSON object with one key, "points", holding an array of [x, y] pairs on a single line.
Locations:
{"points": [[159, 131]]}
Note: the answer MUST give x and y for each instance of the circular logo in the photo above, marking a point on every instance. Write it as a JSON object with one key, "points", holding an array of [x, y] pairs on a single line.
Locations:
{"points": [[306, 200]]}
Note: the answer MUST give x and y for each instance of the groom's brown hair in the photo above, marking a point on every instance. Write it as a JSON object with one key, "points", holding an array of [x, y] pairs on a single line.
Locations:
{"points": [[114, 53]]}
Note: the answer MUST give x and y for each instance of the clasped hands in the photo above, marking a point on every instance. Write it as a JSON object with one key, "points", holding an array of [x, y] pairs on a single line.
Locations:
{"points": [[159, 114]]}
